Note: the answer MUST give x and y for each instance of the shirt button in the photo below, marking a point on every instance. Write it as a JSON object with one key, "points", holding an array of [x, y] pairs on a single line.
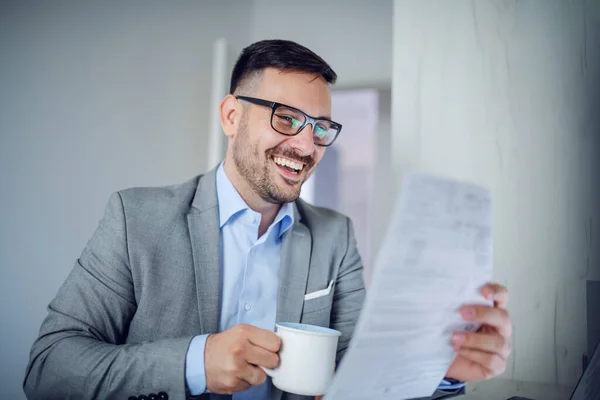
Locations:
{"points": [[247, 307]]}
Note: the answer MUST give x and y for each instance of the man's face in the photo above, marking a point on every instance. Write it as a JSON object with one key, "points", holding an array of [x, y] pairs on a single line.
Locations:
{"points": [[260, 153]]}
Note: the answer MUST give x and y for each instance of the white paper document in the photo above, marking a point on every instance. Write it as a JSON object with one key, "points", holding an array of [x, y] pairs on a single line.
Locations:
{"points": [[436, 256]]}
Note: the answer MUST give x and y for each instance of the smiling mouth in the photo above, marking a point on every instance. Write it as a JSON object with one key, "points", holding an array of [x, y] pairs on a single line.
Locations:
{"points": [[290, 166]]}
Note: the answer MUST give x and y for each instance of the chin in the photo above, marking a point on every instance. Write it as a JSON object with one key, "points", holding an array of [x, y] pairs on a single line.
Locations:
{"points": [[288, 197], [285, 194]]}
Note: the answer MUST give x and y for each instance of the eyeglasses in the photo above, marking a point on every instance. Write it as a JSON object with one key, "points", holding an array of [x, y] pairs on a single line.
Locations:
{"points": [[290, 121]]}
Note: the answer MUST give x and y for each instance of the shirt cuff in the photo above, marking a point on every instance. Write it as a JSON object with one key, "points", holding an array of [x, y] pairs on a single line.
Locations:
{"points": [[195, 376], [451, 385]]}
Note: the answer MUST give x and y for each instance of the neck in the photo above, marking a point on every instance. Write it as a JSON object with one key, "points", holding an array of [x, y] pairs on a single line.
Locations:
{"points": [[267, 210]]}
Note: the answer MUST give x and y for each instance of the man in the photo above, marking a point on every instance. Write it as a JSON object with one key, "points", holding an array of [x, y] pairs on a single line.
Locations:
{"points": [[177, 293]]}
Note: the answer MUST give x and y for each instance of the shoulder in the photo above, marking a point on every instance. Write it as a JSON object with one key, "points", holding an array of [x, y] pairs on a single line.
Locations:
{"points": [[157, 202]]}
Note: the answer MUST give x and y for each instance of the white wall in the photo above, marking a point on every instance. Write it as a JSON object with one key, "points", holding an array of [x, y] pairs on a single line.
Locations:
{"points": [[353, 36], [95, 97], [506, 94]]}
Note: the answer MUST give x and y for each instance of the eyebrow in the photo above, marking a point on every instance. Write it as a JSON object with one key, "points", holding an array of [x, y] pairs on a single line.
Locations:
{"points": [[296, 108]]}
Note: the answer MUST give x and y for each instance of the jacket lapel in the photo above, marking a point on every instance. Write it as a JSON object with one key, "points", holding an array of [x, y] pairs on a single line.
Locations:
{"points": [[293, 270], [205, 236]]}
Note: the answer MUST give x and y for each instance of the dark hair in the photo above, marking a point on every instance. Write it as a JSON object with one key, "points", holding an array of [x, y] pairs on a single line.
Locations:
{"points": [[284, 55]]}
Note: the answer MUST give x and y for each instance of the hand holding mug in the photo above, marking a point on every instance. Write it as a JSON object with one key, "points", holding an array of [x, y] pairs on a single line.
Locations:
{"points": [[306, 359], [232, 358]]}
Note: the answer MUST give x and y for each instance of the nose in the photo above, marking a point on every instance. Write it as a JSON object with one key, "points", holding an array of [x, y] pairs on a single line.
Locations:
{"points": [[303, 142]]}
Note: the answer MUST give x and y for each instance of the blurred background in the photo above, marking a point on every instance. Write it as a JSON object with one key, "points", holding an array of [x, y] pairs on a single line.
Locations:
{"points": [[100, 96]]}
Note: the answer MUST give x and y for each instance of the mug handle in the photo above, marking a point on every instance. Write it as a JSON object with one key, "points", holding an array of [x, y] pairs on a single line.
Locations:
{"points": [[272, 372]]}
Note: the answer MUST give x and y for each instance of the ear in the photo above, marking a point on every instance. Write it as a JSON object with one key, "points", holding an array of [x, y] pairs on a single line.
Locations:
{"points": [[230, 111]]}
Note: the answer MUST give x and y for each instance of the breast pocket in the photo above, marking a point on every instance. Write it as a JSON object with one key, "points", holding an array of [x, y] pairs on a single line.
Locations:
{"points": [[317, 307]]}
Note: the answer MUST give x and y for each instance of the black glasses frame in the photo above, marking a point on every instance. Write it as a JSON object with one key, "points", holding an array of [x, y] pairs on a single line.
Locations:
{"points": [[307, 118]]}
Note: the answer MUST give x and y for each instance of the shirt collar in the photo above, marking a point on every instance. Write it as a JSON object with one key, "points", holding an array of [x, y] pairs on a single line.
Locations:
{"points": [[231, 204]]}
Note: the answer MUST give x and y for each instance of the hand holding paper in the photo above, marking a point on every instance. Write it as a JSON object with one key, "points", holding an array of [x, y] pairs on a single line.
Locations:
{"points": [[436, 258], [483, 354]]}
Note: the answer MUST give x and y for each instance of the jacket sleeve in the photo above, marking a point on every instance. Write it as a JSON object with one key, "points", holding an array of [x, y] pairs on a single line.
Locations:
{"points": [[80, 351]]}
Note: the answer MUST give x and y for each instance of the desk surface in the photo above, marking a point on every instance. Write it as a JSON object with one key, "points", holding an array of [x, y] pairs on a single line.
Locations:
{"points": [[502, 389]]}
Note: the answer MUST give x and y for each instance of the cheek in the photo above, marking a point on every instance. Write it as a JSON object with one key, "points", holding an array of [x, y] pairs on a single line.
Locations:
{"points": [[319, 153], [262, 135], [274, 140], [260, 141]]}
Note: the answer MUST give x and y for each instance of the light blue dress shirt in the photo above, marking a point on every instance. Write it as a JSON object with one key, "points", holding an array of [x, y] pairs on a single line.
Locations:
{"points": [[250, 272]]}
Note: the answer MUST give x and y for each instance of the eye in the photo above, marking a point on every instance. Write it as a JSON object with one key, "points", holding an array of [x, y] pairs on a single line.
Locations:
{"points": [[288, 121], [320, 132], [295, 123]]}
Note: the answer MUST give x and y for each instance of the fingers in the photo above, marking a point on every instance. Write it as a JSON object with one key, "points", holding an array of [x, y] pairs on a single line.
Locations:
{"points": [[248, 353], [497, 293], [263, 338], [231, 358], [497, 318], [491, 364], [253, 375], [490, 343], [256, 351], [260, 356]]}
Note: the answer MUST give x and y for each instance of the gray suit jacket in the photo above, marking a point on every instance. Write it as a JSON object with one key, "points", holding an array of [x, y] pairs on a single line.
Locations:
{"points": [[148, 281]]}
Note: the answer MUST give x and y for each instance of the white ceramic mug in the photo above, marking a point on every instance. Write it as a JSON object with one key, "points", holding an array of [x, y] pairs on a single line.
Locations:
{"points": [[306, 358]]}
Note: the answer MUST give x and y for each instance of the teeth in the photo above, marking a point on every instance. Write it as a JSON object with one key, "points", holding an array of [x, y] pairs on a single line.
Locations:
{"points": [[288, 163]]}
